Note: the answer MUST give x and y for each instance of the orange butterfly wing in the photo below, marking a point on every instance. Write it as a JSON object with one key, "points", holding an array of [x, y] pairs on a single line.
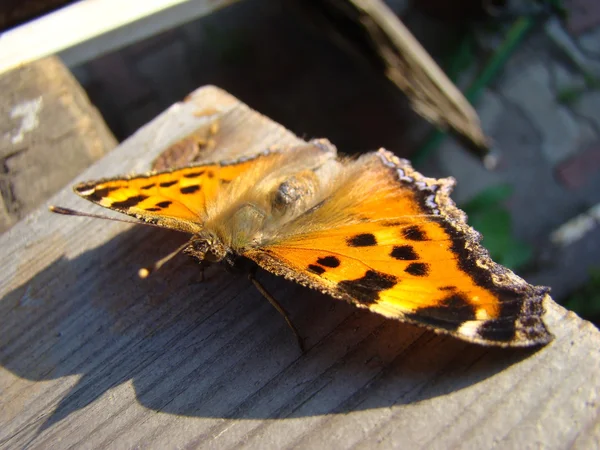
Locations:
{"points": [[174, 199], [406, 252]]}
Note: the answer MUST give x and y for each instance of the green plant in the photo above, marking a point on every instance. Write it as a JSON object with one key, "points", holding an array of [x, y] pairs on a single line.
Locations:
{"points": [[570, 94], [489, 216]]}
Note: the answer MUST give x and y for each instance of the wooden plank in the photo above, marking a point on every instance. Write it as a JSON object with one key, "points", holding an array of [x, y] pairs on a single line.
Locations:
{"points": [[413, 70], [50, 133], [88, 29], [91, 356]]}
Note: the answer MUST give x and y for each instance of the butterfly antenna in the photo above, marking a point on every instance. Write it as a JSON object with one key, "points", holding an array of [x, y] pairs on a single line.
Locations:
{"points": [[72, 212], [279, 309], [144, 272]]}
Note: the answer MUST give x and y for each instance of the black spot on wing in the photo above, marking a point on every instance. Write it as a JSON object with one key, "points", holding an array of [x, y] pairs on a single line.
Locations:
{"points": [[168, 183], [329, 261], [391, 223], [195, 174], [447, 288], [97, 194], [316, 269], [418, 269], [148, 186], [449, 314], [130, 202], [210, 174], [366, 289], [501, 330], [414, 233], [404, 253], [189, 189], [164, 204], [362, 240], [152, 209]]}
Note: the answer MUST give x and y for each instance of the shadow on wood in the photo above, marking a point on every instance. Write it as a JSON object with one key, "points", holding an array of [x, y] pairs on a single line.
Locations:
{"points": [[217, 348]]}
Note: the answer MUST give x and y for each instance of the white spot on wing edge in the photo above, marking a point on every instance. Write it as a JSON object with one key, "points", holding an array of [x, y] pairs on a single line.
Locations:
{"points": [[29, 111], [87, 192], [469, 329]]}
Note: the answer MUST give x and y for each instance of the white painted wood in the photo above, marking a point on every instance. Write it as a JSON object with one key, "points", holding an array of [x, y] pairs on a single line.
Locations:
{"points": [[87, 29]]}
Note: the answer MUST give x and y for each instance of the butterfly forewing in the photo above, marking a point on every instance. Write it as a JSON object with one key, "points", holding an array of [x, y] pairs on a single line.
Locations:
{"points": [[404, 251], [176, 199]]}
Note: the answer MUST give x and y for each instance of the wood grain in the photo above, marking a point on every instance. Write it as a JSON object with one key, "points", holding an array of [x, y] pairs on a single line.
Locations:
{"points": [[93, 357]]}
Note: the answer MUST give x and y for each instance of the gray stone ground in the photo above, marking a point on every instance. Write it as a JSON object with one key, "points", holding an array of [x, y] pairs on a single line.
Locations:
{"points": [[278, 64]]}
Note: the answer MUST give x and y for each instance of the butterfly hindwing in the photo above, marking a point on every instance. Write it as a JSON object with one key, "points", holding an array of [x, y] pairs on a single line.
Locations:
{"points": [[400, 248]]}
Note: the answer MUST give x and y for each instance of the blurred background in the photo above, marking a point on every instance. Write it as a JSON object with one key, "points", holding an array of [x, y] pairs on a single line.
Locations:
{"points": [[530, 67]]}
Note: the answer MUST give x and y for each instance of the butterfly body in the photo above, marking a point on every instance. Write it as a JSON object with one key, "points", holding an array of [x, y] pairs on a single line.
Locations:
{"points": [[247, 211], [371, 231]]}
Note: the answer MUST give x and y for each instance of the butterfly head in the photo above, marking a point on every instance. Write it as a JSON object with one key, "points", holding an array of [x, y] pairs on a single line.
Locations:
{"points": [[206, 246]]}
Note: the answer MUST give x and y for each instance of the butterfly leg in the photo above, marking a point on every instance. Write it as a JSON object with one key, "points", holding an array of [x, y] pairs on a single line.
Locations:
{"points": [[203, 266], [279, 309]]}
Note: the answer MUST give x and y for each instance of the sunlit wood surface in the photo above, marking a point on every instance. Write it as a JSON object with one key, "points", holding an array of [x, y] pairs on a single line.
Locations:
{"points": [[91, 356]]}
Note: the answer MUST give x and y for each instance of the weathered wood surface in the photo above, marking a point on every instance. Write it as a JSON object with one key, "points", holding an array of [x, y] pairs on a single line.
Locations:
{"points": [[93, 357], [49, 133], [408, 65]]}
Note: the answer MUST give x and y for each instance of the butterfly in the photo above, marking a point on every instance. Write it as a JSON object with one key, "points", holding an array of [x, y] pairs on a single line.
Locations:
{"points": [[369, 230]]}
